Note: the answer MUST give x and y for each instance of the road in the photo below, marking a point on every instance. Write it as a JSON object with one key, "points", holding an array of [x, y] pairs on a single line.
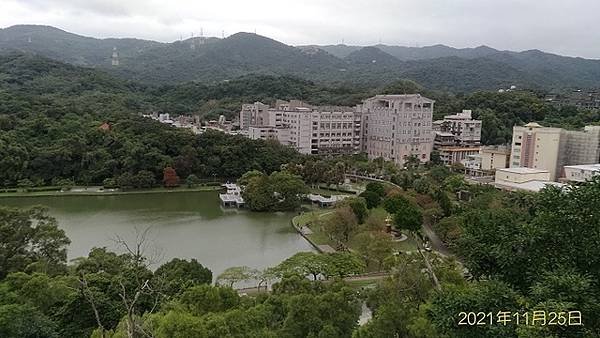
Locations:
{"points": [[435, 241]]}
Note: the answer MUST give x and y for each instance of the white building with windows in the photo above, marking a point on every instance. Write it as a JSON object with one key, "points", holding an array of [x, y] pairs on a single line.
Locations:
{"points": [[396, 127], [309, 129], [465, 131], [537, 147], [525, 179], [581, 173], [390, 126], [487, 160]]}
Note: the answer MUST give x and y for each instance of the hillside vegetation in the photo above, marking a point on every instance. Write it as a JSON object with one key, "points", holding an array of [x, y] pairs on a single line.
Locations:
{"points": [[50, 115], [212, 60]]}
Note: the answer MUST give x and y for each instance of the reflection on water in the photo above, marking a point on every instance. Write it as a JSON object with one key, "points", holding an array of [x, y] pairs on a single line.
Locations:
{"points": [[185, 225]]}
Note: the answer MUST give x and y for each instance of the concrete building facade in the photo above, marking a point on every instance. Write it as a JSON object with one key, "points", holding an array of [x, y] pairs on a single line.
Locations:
{"points": [[396, 127], [466, 132], [390, 126], [487, 161], [309, 129], [581, 173], [254, 114], [534, 146], [526, 179], [450, 155], [537, 147], [582, 147], [456, 137]]}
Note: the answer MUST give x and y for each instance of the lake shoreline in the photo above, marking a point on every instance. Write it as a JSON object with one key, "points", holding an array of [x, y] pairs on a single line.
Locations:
{"points": [[55, 193], [183, 225]]}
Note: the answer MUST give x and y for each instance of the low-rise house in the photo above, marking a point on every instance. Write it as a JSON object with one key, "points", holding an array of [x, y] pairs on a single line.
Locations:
{"points": [[526, 179], [580, 173]]}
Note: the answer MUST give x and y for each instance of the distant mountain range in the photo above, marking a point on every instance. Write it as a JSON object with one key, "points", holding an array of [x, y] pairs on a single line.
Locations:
{"points": [[210, 60]]}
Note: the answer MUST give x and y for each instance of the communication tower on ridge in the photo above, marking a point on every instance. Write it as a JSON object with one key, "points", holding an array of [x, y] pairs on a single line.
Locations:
{"points": [[115, 57]]}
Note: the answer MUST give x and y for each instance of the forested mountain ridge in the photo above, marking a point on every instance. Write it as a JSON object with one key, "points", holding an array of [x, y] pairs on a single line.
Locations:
{"points": [[237, 55], [404, 53], [213, 60], [67, 47]]}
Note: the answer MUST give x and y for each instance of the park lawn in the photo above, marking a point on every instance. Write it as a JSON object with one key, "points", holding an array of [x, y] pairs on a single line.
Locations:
{"points": [[379, 212], [327, 192], [363, 283], [320, 238], [407, 245]]}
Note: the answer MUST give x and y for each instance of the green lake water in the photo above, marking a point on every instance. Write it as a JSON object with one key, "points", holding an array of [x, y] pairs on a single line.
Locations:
{"points": [[182, 224]]}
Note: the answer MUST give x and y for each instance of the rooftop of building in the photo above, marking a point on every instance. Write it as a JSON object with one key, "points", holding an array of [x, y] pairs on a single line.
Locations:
{"points": [[458, 149], [533, 125], [401, 97], [496, 149], [524, 170], [464, 115], [587, 167], [533, 186]]}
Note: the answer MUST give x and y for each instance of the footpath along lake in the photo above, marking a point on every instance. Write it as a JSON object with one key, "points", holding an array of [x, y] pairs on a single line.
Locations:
{"points": [[182, 224]]}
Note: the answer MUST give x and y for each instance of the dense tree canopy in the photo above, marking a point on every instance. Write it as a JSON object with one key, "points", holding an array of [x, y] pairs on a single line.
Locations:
{"points": [[278, 191], [32, 241]]}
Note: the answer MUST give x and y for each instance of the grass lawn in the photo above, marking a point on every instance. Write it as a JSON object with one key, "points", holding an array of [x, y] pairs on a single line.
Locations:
{"points": [[407, 245], [322, 191], [379, 212], [365, 283], [321, 238], [305, 219]]}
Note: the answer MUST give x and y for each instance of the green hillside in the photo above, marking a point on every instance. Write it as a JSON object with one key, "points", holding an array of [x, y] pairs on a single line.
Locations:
{"points": [[212, 60]]}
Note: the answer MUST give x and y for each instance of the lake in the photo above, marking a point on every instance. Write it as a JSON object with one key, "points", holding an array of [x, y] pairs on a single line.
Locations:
{"points": [[182, 224]]}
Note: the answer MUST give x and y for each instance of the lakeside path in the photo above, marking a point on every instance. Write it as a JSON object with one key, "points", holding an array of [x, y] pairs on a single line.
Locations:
{"points": [[95, 191]]}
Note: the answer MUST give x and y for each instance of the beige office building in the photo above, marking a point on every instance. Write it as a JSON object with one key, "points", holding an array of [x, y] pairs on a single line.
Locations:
{"points": [[390, 126], [581, 173], [254, 114], [526, 179], [487, 161], [309, 129], [465, 131], [397, 126], [537, 147], [318, 130]]}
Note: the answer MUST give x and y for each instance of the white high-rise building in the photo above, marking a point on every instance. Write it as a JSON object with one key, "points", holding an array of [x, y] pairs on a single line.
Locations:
{"points": [[254, 114], [390, 126], [396, 127], [466, 131], [309, 129], [538, 147]]}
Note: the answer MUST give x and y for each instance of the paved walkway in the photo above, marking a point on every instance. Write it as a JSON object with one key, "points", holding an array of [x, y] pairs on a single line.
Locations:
{"points": [[367, 178], [435, 241]]}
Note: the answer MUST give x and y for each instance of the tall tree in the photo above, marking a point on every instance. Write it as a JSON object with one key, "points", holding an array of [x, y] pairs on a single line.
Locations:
{"points": [[170, 178], [341, 225], [31, 240]]}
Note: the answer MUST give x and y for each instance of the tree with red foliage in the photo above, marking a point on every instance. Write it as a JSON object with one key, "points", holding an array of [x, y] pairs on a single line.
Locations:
{"points": [[170, 178]]}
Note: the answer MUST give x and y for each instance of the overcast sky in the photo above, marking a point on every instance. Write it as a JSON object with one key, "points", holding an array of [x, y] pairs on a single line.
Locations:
{"points": [[567, 27]]}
